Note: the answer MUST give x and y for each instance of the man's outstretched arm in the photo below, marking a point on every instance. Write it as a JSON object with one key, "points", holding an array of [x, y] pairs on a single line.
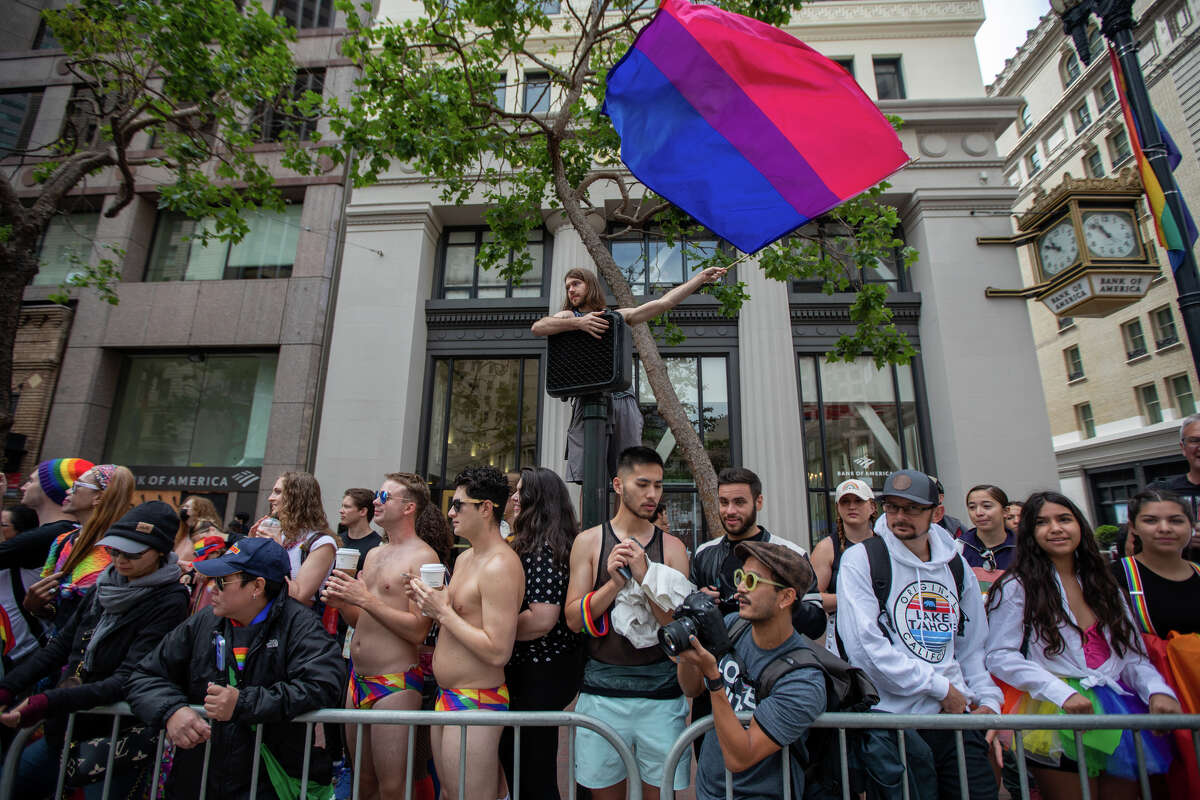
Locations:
{"points": [[656, 308]]}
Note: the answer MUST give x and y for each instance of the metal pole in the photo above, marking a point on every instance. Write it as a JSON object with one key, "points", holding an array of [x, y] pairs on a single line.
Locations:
{"points": [[595, 458]]}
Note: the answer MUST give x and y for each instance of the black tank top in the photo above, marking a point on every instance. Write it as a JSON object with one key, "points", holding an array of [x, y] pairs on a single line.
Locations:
{"points": [[615, 648]]}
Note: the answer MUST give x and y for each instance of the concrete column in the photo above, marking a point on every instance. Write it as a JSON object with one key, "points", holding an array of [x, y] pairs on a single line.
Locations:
{"points": [[370, 421], [772, 435], [986, 407]]}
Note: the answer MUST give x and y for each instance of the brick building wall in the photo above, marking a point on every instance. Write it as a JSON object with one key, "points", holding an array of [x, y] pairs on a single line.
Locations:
{"points": [[37, 357]]}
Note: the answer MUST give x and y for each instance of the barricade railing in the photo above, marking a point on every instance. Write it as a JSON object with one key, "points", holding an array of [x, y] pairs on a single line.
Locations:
{"points": [[1017, 723], [358, 718]]}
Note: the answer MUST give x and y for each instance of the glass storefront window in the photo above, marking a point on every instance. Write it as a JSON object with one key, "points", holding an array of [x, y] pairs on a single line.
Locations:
{"points": [[702, 383], [859, 422], [483, 411], [267, 251], [66, 246], [194, 410]]}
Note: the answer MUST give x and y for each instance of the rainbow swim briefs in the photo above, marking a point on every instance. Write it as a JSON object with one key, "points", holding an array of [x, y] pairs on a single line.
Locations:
{"points": [[472, 699], [367, 690]]}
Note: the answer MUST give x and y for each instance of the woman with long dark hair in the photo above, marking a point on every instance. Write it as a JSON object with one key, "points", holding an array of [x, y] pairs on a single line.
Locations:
{"points": [[1164, 586], [544, 670], [1062, 638]]}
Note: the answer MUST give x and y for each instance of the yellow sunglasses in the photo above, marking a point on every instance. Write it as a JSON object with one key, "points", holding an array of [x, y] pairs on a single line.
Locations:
{"points": [[752, 580]]}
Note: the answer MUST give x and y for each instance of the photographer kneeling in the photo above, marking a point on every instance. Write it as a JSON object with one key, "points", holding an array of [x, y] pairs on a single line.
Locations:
{"points": [[770, 581]]}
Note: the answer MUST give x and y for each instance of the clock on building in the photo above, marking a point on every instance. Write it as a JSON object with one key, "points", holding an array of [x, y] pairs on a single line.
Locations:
{"points": [[1109, 234], [1058, 248]]}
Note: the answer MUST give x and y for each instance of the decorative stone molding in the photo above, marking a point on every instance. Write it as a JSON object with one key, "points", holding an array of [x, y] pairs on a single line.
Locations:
{"points": [[1127, 180], [976, 144], [933, 145]]}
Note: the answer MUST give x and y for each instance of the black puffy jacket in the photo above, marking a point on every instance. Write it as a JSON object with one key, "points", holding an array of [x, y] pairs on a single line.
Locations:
{"points": [[292, 666], [138, 632]]}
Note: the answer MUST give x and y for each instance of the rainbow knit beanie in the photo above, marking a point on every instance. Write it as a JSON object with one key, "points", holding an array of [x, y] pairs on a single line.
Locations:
{"points": [[57, 475]]}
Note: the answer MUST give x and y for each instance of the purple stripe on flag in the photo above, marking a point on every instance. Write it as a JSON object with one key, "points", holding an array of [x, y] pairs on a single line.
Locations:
{"points": [[726, 107]]}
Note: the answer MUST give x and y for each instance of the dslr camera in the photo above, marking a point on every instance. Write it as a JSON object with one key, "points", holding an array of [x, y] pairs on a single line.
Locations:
{"points": [[698, 616]]}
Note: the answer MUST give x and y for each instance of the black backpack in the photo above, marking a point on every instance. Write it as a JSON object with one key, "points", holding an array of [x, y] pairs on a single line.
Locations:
{"points": [[879, 563], [847, 689]]}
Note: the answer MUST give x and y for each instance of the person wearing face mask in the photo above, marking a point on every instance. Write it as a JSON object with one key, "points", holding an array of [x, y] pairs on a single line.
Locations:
{"points": [[199, 530], [136, 601]]}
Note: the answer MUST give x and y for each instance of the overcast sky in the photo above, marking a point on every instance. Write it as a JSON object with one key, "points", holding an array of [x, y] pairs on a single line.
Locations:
{"points": [[1004, 31]]}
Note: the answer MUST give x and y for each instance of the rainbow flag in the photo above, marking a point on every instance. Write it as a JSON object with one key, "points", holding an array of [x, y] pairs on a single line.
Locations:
{"points": [[747, 129], [1177, 236]]}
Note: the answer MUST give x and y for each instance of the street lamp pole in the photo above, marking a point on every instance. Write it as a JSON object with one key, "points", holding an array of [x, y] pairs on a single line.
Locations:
{"points": [[1116, 18]]}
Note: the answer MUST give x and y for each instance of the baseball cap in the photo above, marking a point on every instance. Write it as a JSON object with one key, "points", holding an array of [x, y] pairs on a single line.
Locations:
{"points": [[152, 524], [911, 485], [258, 558], [855, 487], [788, 565]]}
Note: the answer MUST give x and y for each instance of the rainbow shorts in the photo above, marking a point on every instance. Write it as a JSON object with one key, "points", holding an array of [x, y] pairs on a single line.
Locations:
{"points": [[472, 699], [367, 690]]}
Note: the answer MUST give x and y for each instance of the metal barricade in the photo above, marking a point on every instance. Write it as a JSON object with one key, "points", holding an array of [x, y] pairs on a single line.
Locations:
{"points": [[1017, 723], [358, 718]]}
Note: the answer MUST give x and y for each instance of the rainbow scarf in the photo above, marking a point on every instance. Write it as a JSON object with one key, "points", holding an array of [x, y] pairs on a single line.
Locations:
{"points": [[1175, 235], [85, 573]]}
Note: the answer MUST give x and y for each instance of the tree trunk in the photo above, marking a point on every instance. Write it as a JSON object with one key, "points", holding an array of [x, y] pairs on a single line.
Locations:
{"points": [[669, 405]]}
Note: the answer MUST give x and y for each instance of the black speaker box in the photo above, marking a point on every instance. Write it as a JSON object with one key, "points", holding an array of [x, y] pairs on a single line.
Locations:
{"points": [[577, 363]]}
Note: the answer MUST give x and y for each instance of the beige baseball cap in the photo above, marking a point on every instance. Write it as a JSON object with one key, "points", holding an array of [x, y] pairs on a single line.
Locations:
{"points": [[855, 487]]}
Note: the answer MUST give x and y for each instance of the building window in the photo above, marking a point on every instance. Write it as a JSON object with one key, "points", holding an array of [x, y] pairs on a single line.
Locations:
{"points": [[650, 265], [1151, 408], [483, 411], [1095, 164], [1033, 162], [501, 91], [1181, 390], [1165, 332], [1013, 176], [276, 123], [859, 422], [66, 246], [194, 410], [1074, 363], [1083, 116], [1095, 44], [1085, 420], [846, 63], [837, 244], [305, 14], [462, 278], [1118, 148], [1135, 339], [44, 39], [702, 383], [18, 112], [267, 251], [537, 93], [1056, 139], [1066, 323], [1070, 69], [1024, 121], [889, 81], [1178, 20], [550, 6], [1106, 95]]}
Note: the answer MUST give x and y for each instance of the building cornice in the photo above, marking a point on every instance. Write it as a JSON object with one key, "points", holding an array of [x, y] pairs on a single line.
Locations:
{"points": [[1048, 30]]}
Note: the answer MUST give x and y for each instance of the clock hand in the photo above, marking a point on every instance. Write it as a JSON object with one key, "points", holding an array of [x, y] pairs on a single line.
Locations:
{"points": [[1101, 228], [1053, 246]]}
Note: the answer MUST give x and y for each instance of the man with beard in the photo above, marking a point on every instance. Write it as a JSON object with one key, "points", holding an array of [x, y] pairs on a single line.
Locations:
{"points": [[632, 689]]}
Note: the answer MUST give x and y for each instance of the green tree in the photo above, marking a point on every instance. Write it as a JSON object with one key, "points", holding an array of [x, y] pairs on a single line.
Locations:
{"points": [[187, 73], [427, 95]]}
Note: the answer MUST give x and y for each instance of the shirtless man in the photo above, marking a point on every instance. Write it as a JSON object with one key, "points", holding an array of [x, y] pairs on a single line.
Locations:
{"points": [[384, 667], [477, 615], [630, 688], [581, 311]]}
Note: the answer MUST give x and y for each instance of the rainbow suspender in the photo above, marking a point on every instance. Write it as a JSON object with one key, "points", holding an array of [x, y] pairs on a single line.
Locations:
{"points": [[1137, 594]]}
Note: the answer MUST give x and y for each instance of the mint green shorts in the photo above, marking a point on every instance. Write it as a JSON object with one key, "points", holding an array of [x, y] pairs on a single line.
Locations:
{"points": [[648, 727]]}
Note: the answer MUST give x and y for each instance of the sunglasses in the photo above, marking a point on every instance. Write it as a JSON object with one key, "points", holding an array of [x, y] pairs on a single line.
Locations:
{"points": [[77, 485], [457, 505], [752, 580], [382, 496], [224, 579], [115, 553]]}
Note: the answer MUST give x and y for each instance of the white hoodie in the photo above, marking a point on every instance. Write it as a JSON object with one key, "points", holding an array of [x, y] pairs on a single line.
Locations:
{"points": [[914, 670]]}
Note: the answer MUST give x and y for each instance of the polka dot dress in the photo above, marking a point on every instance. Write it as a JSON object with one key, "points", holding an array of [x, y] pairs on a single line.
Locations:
{"points": [[545, 582]]}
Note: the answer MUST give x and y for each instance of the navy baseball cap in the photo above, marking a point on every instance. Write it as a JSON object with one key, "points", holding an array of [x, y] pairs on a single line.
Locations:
{"points": [[911, 485], [258, 558]]}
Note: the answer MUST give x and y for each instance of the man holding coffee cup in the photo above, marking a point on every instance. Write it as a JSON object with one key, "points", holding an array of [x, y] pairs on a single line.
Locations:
{"points": [[384, 665], [477, 615]]}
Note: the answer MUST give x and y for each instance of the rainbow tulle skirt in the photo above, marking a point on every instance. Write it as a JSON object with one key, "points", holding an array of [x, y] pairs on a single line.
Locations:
{"points": [[1105, 751]]}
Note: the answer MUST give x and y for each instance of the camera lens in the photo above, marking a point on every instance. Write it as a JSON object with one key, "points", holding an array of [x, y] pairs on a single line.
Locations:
{"points": [[674, 637]]}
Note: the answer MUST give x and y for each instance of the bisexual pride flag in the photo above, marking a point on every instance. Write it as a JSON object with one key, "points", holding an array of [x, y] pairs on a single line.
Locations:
{"points": [[747, 129]]}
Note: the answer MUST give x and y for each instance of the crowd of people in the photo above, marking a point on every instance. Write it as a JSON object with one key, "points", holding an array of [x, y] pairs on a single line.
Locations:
{"points": [[503, 603]]}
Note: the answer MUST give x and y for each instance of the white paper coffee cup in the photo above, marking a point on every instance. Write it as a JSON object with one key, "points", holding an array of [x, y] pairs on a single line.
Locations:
{"points": [[434, 575], [346, 560]]}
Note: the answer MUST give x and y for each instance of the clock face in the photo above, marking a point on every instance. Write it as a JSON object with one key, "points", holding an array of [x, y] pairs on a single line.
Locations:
{"points": [[1109, 234], [1058, 248]]}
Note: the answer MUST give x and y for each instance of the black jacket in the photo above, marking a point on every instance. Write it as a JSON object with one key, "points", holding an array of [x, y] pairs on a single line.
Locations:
{"points": [[139, 631], [714, 562], [292, 666]]}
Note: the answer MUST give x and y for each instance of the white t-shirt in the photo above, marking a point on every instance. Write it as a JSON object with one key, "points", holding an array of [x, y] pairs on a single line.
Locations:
{"points": [[295, 550]]}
